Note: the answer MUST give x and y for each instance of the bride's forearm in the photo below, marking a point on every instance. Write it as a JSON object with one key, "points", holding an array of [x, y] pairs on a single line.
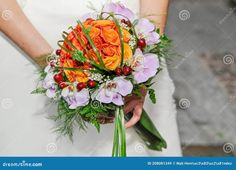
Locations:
{"points": [[156, 10], [18, 28]]}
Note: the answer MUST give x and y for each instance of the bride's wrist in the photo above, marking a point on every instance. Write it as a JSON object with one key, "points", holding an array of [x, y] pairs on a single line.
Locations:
{"points": [[42, 60]]}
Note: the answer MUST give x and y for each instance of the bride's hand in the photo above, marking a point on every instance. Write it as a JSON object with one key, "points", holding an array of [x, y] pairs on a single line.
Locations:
{"points": [[134, 104], [23, 34]]}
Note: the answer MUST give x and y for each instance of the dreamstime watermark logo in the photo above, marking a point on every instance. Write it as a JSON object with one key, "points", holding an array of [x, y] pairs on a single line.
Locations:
{"points": [[228, 147], [139, 148], [51, 147], [184, 15], [228, 59], [23, 163], [184, 103], [7, 15], [7, 103]]}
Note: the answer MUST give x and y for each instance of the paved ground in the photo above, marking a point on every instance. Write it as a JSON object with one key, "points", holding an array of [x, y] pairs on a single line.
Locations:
{"points": [[204, 34]]}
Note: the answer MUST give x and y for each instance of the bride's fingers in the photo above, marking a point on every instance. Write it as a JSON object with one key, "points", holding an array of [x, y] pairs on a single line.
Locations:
{"points": [[131, 98], [132, 121], [129, 107], [136, 116]]}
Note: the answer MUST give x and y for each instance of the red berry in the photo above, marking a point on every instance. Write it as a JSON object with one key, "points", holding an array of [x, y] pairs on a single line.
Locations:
{"points": [[92, 83], [127, 70], [81, 86], [89, 19], [142, 43], [58, 77], [52, 64], [118, 71], [123, 21], [58, 52], [62, 85], [128, 23]]}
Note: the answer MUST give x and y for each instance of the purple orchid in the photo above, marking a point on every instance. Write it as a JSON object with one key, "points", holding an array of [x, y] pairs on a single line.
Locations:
{"points": [[120, 9], [144, 66], [113, 90], [49, 83], [75, 98], [145, 29]]}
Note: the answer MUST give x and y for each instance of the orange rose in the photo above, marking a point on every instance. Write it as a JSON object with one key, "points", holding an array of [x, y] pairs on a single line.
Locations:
{"points": [[105, 24], [110, 36], [105, 36], [127, 52], [109, 50], [112, 62], [92, 56], [73, 76], [94, 32], [126, 35]]}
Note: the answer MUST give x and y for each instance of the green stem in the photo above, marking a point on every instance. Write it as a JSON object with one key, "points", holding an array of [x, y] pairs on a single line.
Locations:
{"points": [[116, 135], [121, 39], [81, 42], [123, 135], [68, 42], [119, 141], [61, 46], [79, 69], [91, 43]]}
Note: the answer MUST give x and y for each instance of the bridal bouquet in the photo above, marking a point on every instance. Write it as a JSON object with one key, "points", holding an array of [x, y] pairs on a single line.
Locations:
{"points": [[106, 57]]}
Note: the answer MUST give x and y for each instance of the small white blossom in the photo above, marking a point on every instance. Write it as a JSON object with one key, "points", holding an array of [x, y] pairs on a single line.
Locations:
{"points": [[132, 41], [96, 76]]}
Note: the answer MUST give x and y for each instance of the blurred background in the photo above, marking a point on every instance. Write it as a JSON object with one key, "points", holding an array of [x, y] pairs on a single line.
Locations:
{"points": [[204, 34]]}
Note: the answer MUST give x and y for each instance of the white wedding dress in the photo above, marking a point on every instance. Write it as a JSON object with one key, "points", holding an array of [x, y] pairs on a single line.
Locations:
{"points": [[24, 127]]}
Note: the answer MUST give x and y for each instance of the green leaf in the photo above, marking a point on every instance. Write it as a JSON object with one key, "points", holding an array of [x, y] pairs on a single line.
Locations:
{"points": [[85, 110], [157, 142], [42, 74], [91, 111], [137, 92], [96, 125], [152, 95], [148, 132], [39, 90], [79, 56], [67, 119]]}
